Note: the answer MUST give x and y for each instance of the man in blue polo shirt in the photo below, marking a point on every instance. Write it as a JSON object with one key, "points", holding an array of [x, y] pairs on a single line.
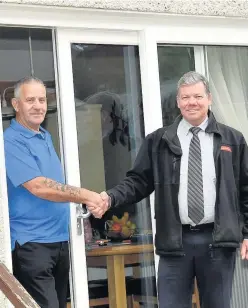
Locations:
{"points": [[38, 199]]}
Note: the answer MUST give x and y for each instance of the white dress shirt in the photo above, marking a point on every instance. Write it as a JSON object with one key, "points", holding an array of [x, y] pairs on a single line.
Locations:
{"points": [[208, 172]]}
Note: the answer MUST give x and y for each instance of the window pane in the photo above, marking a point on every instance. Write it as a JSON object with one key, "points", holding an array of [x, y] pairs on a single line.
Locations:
{"points": [[25, 52], [14, 54], [228, 67], [110, 130], [173, 61], [107, 86]]}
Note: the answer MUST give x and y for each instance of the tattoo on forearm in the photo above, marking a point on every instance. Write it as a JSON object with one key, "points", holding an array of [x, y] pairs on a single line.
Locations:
{"points": [[73, 191]]}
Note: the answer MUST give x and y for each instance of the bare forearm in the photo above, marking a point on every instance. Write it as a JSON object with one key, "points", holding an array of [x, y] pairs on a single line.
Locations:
{"points": [[49, 189]]}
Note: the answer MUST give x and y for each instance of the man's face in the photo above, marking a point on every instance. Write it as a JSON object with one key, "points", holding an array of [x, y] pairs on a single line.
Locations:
{"points": [[193, 102], [31, 106]]}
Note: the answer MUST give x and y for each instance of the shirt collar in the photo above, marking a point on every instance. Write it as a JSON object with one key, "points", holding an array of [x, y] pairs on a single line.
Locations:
{"points": [[28, 133], [185, 125]]}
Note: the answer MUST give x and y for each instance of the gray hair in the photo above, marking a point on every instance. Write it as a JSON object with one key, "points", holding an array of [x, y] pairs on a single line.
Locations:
{"points": [[23, 81], [193, 78]]}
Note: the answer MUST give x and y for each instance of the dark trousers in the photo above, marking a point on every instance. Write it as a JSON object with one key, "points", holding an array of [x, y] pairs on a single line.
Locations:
{"points": [[43, 270], [212, 267]]}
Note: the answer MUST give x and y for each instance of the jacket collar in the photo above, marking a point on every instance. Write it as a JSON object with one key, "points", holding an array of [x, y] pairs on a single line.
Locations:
{"points": [[213, 127], [170, 134]]}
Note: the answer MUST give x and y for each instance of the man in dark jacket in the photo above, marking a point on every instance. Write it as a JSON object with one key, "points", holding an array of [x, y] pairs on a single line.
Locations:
{"points": [[198, 169]]}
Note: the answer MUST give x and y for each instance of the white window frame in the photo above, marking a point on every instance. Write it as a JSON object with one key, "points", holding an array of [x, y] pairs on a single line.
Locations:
{"points": [[152, 111], [4, 203]]}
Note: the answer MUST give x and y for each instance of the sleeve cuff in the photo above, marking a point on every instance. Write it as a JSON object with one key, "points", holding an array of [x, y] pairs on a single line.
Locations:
{"points": [[112, 200]]}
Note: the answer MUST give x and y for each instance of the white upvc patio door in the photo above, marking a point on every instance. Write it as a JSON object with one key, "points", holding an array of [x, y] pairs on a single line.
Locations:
{"points": [[137, 49]]}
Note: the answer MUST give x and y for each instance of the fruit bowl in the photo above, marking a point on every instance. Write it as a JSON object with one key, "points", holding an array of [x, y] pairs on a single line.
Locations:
{"points": [[119, 228]]}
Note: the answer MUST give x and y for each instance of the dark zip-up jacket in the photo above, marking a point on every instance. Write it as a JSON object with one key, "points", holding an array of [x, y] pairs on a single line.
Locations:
{"points": [[157, 168]]}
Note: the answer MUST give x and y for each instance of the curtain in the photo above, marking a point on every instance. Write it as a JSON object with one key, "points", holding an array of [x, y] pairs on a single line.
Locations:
{"points": [[228, 77]]}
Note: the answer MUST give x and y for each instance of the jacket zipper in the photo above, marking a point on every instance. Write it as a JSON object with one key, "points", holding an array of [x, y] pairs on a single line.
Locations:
{"points": [[174, 162], [217, 190]]}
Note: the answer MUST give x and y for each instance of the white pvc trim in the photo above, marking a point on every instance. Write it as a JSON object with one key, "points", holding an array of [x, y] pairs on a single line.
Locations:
{"points": [[200, 66], [102, 36], [4, 202], [152, 111], [151, 98], [71, 161], [68, 117]]}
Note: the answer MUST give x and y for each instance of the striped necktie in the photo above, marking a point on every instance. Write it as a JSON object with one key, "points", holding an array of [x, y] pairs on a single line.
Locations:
{"points": [[195, 183]]}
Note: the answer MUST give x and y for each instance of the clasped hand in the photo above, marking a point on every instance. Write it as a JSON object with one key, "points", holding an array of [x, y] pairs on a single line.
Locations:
{"points": [[97, 204]]}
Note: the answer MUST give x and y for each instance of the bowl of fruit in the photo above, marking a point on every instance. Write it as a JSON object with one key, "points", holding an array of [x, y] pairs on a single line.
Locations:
{"points": [[119, 228]]}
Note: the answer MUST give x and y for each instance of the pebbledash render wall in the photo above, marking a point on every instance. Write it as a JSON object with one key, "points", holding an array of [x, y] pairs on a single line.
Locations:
{"points": [[237, 8], [227, 8]]}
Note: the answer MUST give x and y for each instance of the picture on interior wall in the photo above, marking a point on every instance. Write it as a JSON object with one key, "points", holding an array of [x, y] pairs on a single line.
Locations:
{"points": [[5, 99], [120, 126]]}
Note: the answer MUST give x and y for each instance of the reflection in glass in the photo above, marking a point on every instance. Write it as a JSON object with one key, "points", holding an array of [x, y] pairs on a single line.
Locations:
{"points": [[173, 61], [109, 112], [110, 131]]}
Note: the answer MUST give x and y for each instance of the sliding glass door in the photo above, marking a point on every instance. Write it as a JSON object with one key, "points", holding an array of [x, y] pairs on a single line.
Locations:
{"points": [[102, 111]]}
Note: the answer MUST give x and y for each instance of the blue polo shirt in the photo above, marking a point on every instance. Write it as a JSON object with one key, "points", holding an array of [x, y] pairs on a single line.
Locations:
{"points": [[29, 155]]}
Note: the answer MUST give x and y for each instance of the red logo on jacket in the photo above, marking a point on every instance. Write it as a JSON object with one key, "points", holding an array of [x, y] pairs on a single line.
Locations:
{"points": [[226, 148]]}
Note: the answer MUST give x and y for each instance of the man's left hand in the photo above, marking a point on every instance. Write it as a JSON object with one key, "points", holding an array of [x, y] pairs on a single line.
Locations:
{"points": [[244, 250]]}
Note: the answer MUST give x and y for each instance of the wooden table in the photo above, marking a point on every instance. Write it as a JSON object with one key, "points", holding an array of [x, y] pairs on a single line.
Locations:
{"points": [[116, 258]]}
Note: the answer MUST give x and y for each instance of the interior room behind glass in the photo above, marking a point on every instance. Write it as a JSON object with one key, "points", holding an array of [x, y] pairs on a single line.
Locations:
{"points": [[173, 62], [27, 52], [110, 126]]}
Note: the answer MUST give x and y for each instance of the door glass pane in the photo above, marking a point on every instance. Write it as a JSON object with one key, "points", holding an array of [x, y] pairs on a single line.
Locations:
{"points": [[173, 62], [25, 52], [110, 131]]}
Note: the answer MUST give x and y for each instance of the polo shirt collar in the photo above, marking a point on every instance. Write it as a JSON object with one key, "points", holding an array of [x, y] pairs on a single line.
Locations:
{"points": [[28, 133]]}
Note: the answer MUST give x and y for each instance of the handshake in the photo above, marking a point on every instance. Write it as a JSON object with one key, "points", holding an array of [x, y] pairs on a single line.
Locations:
{"points": [[96, 203]]}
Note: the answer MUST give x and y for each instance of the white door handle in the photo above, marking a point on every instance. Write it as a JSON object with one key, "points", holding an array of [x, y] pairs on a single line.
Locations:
{"points": [[82, 211]]}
